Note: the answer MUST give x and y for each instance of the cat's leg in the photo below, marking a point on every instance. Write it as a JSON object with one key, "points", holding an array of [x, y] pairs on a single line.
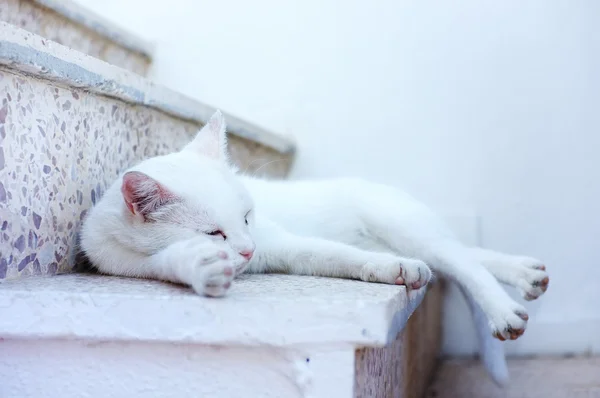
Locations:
{"points": [[281, 251], [409, 228], [527, 274], [197, 262], [507, 318]]}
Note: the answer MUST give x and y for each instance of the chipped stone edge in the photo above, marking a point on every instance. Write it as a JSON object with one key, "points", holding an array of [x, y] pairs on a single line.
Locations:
{"points": [[102, 26], [32, 54], [246, 321], [399, 319]]}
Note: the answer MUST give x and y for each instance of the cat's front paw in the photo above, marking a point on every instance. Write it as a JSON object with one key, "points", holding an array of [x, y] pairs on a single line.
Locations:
{"points": [[212, 267], [414, 274], [530, 277], [215, 279], [508, 323]]}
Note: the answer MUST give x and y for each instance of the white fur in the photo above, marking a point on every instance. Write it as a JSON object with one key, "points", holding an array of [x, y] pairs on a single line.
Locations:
{"points": [[338, 228]]}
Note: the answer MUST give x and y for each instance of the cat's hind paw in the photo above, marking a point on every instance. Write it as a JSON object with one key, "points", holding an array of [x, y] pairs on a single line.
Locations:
{"points": [[509, 325], [527, 274], [533, 280]]}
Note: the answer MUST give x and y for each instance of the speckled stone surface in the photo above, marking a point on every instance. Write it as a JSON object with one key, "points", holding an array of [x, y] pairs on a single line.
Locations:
{"points": [[26, 52], [45, 22], [59, 150], [405, 367], [287, 315], [273, 310]]}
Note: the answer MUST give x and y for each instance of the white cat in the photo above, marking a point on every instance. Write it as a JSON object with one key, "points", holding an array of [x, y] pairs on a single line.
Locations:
{"points": [[188, 218]]}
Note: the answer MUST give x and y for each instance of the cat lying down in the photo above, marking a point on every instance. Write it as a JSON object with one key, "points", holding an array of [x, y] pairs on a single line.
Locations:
{"points": [[187, 217]]}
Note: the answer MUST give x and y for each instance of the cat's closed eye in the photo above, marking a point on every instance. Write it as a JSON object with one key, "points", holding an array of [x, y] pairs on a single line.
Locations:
{"points": [[217, 233]]}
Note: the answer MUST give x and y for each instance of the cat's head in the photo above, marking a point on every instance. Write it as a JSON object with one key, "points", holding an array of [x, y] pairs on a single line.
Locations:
{"points": [[190, 193]]}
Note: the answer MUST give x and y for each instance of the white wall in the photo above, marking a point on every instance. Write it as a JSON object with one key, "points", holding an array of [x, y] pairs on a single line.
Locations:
{"points": [[482, 107]]}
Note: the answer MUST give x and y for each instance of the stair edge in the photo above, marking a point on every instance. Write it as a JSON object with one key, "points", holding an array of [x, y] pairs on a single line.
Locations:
{"points": [[100, 25], [274, 310], [32, 54]]}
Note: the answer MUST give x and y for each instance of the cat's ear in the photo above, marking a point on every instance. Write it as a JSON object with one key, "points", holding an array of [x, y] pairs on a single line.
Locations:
{"points": [[211, 140], [143, 194]]}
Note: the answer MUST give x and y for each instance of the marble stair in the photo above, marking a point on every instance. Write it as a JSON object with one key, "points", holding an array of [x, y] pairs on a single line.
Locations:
{"points": [[67, 23], [71, 118]]}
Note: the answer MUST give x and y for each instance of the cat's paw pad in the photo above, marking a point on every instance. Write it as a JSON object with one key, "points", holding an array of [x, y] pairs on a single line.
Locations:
{"points": [[533, 278], [214, 280], [213, 268], [509, 324]]}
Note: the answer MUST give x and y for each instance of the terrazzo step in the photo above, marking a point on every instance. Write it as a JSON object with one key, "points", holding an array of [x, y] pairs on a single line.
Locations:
{"points": [[71, 24], [271, 336], [69, 124]]}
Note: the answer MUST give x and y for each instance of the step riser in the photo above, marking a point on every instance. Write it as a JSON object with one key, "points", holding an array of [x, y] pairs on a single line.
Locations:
{"points": [[122, 370], [404, 367], [36, 18]]}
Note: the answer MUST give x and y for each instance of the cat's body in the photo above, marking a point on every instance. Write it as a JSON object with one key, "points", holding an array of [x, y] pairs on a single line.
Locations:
{"points": [[187, 218]]}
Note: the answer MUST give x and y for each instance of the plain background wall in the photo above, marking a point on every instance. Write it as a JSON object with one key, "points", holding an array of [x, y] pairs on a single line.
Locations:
{"points": [[484, 109]]}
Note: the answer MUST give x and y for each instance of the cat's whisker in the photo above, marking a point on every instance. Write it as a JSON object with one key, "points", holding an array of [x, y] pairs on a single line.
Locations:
{"points": [[251, 163], [266, 164]]}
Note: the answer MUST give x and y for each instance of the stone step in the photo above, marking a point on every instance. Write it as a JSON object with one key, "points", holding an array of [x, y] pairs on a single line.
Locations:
{"points": [[69, 124], [72, 25], [271, 336]]}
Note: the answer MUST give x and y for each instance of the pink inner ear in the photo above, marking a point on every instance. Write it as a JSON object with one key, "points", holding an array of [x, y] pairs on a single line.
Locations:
{"points": [[143, 194]]}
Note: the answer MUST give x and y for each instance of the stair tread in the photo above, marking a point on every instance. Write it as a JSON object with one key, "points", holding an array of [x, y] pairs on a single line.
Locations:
{"points": [[272, 309], [34, 55], [102, 26]]}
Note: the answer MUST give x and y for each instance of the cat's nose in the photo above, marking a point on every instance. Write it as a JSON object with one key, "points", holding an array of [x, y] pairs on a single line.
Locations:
{"points": [[247, 254]]}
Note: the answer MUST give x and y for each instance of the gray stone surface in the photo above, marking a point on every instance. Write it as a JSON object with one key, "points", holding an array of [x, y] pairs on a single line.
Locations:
{"points": [[268, 311], [78, 29], [277, 310]]}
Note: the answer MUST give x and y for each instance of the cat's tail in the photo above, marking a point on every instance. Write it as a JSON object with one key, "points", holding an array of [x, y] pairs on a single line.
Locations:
{"points": [[491, 350]]}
